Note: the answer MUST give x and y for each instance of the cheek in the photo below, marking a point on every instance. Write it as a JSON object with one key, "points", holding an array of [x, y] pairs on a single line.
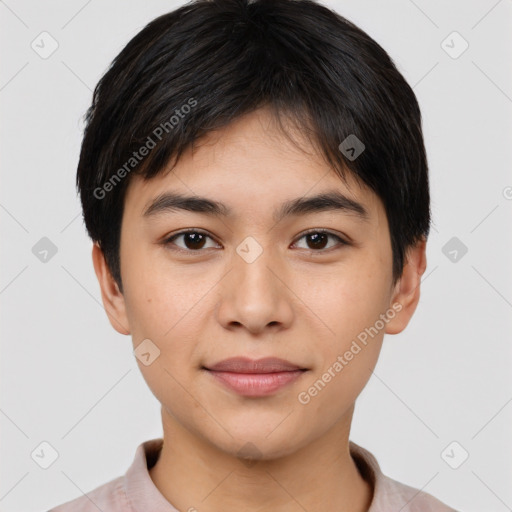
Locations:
{"points": [[348, 356], [164, 305], [354, 299], [167, 319], [158, 295], [352, 307]]}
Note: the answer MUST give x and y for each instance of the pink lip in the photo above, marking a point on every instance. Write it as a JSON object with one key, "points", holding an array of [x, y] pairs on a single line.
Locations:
{"points": [[256, 384], [259, 377]]}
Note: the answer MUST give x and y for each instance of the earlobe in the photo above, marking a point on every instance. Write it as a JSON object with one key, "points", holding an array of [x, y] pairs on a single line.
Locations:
{"points": [[113, 299], [407, 290]]}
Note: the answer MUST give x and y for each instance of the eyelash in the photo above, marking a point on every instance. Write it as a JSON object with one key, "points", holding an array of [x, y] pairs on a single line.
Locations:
{"points": [[169, 241]]}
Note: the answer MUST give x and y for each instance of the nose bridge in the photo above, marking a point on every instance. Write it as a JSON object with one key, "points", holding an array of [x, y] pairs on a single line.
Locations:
{"points": [[255, 296], [251, 264]]}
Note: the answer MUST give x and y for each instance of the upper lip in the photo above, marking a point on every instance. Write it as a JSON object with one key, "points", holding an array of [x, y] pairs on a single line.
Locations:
{"points": [[247, 365]]}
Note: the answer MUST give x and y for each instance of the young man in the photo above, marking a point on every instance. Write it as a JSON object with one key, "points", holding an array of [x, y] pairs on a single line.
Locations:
{"points": [[254, 177]]}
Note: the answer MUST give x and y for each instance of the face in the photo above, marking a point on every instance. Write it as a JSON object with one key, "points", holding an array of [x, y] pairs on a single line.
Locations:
{"points": [[312, 286]]}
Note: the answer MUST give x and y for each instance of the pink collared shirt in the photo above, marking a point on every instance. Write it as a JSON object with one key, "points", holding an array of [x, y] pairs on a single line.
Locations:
{"points": [[136, 492]]}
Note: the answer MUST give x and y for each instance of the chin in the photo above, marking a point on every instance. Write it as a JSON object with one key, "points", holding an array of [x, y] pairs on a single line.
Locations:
{"points": [[259, 443]]}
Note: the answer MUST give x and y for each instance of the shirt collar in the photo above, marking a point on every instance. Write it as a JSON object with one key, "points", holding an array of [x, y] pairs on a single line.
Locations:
{"points": [[144, 495]]}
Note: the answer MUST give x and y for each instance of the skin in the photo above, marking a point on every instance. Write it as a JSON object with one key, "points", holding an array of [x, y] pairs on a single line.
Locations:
{"points": [[294, 301]]}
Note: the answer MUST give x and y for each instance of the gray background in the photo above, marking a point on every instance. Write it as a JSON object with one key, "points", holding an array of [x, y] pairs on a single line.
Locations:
{"points": [[69, 379]]}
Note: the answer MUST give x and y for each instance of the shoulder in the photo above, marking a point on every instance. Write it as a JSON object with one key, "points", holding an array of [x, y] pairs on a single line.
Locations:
{"points": [[389, 494], [109, 497], [395, 493]]}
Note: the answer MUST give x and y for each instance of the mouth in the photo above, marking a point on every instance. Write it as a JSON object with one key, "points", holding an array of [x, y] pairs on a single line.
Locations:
{"points": [[253, 378]]}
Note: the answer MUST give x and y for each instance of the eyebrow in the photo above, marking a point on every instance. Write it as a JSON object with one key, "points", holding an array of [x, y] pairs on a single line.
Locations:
{"points": [[169, 202]]}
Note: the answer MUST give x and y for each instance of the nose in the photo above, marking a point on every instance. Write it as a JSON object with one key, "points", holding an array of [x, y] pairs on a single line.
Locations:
{"points": [[254, 295]]}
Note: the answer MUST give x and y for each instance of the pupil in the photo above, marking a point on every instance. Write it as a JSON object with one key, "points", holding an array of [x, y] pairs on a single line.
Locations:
{"points": [[315, 237], [194, 237]]}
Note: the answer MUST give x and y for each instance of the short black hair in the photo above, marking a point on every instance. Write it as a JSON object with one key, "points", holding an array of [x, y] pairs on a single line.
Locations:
{"points": [[199, 67]]}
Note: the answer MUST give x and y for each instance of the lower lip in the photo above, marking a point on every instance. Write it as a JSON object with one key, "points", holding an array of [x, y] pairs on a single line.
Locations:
{"points": [[256, 384]]}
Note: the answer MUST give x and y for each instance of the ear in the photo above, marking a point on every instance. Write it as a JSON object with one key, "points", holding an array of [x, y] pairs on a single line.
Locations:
{"points": [[407, 290], [113, 299]]}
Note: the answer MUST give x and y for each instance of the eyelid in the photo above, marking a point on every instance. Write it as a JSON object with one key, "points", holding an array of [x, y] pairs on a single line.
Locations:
{"points": [[345, 240]]}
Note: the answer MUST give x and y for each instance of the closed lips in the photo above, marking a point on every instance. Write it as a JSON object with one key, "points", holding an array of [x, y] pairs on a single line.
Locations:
{"points": [[247, 365]]}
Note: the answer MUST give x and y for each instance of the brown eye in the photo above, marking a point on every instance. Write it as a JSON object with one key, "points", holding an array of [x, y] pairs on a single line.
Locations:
{"points": [[195, 241], [318, 240], [192, 240]]}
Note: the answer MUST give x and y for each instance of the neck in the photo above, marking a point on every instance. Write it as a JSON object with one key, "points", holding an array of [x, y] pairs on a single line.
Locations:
{"points": [[193, 474]]}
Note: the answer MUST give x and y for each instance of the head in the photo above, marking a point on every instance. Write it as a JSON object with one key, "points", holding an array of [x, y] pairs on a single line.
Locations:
{"points": [[306, 141]]}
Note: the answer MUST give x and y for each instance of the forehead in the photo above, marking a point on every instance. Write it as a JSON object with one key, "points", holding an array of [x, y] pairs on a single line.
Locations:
{"points": [[252, 166]]}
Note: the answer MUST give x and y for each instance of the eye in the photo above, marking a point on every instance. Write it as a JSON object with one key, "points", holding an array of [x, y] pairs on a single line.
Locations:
{"points": [[194, 240], [319, 238]]}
